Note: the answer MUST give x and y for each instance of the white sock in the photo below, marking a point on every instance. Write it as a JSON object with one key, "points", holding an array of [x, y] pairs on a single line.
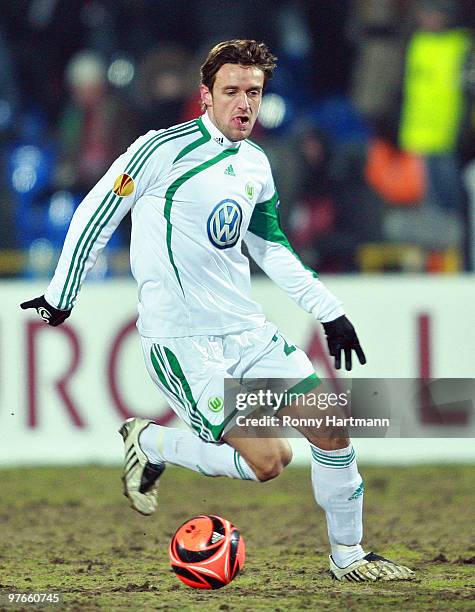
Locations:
{"points": [[338, 489], [184, 448]]}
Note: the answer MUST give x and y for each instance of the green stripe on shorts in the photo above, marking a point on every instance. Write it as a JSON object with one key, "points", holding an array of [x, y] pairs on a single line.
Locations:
{"points": [[177, 391], [213, 431]]}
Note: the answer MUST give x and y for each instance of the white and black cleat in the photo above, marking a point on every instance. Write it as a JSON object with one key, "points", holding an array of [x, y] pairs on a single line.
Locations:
{"points": [[370, 568], [140, 477]]}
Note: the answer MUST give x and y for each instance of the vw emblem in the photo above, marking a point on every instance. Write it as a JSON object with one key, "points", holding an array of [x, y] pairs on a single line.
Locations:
{"points": [[224, 224]]}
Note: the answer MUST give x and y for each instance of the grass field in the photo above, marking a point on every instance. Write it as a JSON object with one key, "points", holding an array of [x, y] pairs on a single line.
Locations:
{"points": [[70, 530]]}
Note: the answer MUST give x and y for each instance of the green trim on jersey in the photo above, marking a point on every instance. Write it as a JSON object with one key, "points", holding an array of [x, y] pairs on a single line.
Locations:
{"points": [[205, 136], [147, 150], [265, 223], [170, 194], [108, 207], [66, 300], [256, 146]]}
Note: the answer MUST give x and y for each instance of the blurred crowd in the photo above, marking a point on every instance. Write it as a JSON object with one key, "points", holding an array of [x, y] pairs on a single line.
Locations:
{"points": [[369, 122]]}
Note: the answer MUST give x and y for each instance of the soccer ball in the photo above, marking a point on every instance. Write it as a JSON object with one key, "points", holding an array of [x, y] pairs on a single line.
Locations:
{"points": [[207, 552]]}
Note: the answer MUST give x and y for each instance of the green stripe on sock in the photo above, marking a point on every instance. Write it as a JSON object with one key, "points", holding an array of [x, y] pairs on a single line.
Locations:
{"points": [[333, 465], [333, 461], [237, 463], [333, 457]]}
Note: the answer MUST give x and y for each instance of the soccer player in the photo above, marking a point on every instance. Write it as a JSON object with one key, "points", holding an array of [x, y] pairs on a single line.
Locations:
{"points": [[197, 191]]}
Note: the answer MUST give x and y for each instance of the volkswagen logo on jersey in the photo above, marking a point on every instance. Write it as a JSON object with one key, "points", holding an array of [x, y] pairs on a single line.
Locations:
{"points": [[224, 224]]}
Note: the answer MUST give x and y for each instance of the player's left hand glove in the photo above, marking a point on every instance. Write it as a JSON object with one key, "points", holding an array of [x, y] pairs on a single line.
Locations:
{"points": [[341, 336], [51, 315]]}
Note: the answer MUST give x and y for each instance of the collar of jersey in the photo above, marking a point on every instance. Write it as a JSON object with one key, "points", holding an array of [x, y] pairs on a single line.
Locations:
{"points": [[218, 136]]}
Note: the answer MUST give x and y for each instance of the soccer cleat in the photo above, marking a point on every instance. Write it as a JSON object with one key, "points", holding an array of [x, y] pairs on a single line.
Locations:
{"points": [[371, 568], [140, 477]]}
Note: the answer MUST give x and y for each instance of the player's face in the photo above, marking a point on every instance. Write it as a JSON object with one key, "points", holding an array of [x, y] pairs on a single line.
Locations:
{"points": [[233, 104]]}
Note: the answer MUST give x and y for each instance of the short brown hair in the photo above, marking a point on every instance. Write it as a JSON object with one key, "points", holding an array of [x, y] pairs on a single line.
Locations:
{"points": [[243, 52]]}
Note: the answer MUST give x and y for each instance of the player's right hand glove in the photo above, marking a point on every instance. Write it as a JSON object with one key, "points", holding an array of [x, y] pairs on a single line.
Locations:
{"points": [[51, 315], [341, 336]]}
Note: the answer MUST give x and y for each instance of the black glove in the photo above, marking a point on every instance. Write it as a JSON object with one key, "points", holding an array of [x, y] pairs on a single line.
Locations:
{"points": [[49, 314], [341, 335]]}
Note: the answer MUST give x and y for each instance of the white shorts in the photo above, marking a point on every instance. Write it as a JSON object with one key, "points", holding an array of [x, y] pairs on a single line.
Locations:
{"points": [[190, 371]]}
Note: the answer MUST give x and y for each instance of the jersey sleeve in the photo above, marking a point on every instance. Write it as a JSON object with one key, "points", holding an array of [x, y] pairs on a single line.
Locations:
{"points": [[271, 250], [96, 218]]}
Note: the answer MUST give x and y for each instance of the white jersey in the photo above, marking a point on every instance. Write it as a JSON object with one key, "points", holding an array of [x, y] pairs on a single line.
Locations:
{"points": [[195, 197]]}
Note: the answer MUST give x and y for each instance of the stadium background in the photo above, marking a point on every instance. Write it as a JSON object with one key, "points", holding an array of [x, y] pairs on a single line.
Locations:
{"points": [[387, 219]]}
